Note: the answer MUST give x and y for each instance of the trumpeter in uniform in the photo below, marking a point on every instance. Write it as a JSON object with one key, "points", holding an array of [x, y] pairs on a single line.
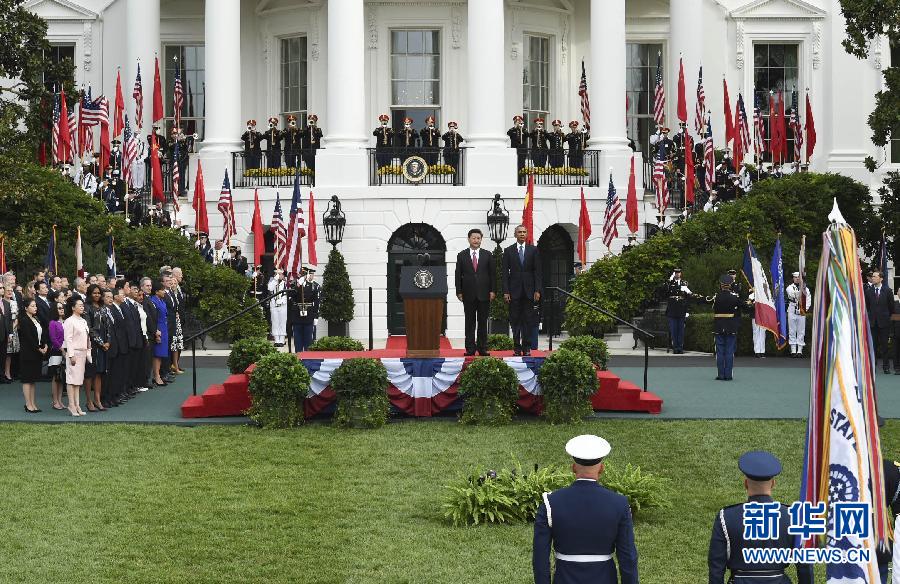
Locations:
{"points": [[585, 523], [273, 144], [430, 139], [292, 141], [311, 141], [252, 150], [407, 137], [726, 321], [452, 139], [797, 296], [678, 295], [728, 531], [538, 138], [577, 140], [384, 141], [518, 139], [555, 141]]}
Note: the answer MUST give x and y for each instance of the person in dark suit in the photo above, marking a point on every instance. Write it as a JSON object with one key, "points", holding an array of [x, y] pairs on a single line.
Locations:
{"points": [[892, 498], [134, 381], [44, 312], [475, 289], [880, 307], [522, 286], [119, 363], [153, 333], [726, 322], [585, 523], [33, 337], [6, 325]]}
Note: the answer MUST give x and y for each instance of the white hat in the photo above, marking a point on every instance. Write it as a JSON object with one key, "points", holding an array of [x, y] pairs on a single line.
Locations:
{"points": [[796, 274], [587, 449]]}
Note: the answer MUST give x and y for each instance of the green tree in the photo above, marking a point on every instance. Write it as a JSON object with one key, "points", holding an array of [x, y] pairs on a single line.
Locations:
{"points": [[337, 293], [889, 211], [499, 307]]}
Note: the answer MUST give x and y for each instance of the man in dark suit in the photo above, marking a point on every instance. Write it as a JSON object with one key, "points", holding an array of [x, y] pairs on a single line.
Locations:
{"points": [[134, 381], [6, 326], [118, 367], [880, 307], [153, 333], [475, 289], [522, 285], [43, 303]]}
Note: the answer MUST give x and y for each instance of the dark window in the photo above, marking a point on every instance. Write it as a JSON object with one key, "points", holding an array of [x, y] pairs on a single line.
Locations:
{"points": [[640, 90], [415, 76], [190, 62], [536, 80], [293, 79], [57, 54], [776, 71]]}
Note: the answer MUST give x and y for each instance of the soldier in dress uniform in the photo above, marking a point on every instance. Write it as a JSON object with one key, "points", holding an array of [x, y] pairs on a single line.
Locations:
{"points": [[518, 139], [384, 141], [538, 137], [555, 140], [577, 140], [726, 321], [303, 309], [797, 295], [407, 137], [679, 140], [237, 262], [110, 198], [292, 141], [204, 247], [160, 142], [178, 154], [115, 160], [664, 147], [252, 150], [430, 139], [678, 295], [278, 307], [452, 139], [311, 141], [727, 542], [892, 498], [88, 181], [585, 523], [273, 138]]}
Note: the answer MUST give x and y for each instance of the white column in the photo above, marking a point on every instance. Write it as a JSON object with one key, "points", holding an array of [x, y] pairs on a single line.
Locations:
{"points": [[142, 32], [685, 41], [223, 123], [343, 160], [489, 160], [606, 88]]}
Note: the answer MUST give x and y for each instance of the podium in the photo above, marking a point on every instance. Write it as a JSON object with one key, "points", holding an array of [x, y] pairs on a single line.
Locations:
{"points": [[424, 293]]}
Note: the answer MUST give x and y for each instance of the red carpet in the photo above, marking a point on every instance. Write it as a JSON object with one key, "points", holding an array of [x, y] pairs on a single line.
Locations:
{"points": [[398, 343]]}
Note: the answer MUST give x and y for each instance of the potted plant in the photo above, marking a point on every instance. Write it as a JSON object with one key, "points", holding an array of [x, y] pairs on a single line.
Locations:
{"points": [[360, 386], [595, 349], [337, 295], [278, 386], [246, 352], [568, 380], [499, 307], [490, 388]]}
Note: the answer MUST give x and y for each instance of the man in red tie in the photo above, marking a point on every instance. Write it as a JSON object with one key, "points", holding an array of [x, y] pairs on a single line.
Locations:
{"points": [[880, 306], [475, 289]]}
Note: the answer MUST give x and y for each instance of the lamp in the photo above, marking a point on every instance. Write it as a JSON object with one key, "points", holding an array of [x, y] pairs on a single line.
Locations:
{"points": [[498, 220], [334, 221]]}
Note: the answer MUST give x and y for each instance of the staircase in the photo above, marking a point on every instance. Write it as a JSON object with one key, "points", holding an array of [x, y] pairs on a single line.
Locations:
{"points": [[622, 339], [231, 398], [618, 395]]}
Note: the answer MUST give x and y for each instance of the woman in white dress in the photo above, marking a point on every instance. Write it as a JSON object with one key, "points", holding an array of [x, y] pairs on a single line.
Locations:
{"points": [[278, 307], [77, 349]]}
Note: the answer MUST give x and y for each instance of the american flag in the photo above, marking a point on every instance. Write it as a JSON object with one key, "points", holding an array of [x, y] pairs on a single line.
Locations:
{"points": [[709, 158], [759, 131], [138, 95], [179, 96], [661, 184], [797, 128], [659, 106], [129, 150], [295, 233], [700, 114], [94, 112], [743, 129], [176, 177], [226, 207], [73, 135], [54, 133], [585, 100], [280, 230], [612, 215]]}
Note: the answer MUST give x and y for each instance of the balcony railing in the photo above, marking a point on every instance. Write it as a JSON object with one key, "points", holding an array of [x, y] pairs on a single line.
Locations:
{"points": [[275, 171], [675, 182], [445, 166], [559, 167]]}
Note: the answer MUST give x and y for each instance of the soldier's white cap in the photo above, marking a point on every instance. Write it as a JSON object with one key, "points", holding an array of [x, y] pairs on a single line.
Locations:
{"points": [[796, 274], [587, 449]]}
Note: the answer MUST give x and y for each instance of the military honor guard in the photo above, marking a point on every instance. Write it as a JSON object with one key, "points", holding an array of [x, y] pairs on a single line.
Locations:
{"points": [[115, 160], [278, 307], [799, 301], [555, 141], [384, 141], [303, 308], [273, 138], [577, 141], [678, 295], [892, 498], [407, 138], [680, 139], [475, 289], [252, 150], [138, 175], [430, 139], [522, 285], [729, 534], [311, 141], [759, 333], [178, 154], [518, 139], [88, 182], [726, 321], [204, 247], [538, 139], [452, 139], [880, 308], [292, 141], [585, 524]]}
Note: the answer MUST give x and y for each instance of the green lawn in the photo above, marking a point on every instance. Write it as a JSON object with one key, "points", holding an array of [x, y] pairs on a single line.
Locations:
{"points": [[109, 503]]}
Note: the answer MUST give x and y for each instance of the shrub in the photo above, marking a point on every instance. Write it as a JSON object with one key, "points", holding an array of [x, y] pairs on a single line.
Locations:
{"points": [[594, 348], [698, 335], [490, 388], [568, 380], [644, 490], [278, 387], [361, 388], [499, 343], [499, 307], [337, 293], [336, 344], [245, 352]]}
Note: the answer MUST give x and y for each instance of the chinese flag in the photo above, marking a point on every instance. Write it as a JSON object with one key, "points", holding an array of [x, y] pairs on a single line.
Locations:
{"points": [[156, 185], [631, 203], [688, 169], [810, 130], [201, 221], [118, 121], [584, 229], [774, 140], [528, 210], [782, 130], [104, 147], [64, 136], [158, 113], [729, 125], [311, 236], [256, 227], [682, 101]]}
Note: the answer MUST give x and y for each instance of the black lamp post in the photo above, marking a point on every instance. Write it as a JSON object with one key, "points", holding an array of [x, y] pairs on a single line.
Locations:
{"points": [[498, 220], [334, 221]]}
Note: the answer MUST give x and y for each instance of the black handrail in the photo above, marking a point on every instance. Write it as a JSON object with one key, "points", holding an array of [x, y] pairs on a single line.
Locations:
{"points": [[647, 335]]}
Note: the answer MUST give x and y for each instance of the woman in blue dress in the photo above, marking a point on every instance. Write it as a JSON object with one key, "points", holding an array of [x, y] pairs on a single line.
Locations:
{"points": [[161, 346]]}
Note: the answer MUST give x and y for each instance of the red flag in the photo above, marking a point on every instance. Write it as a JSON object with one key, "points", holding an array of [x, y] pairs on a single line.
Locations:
{"points": [[810, 130], [631, 204], [682, 100], [729, 123], [156, 184], [528, 210], [256, 227], [774, 141], [782, 129], [311, 236], [736, 134], [118, 119], [64, 136], [2, 255], [105, 148], [158, 113], [688, 169], [584, 230], [201, 221]]}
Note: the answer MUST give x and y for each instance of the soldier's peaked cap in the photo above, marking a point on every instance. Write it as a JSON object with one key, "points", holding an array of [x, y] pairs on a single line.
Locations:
{"points": [[587, 449], [759, 465], [726, 280]]}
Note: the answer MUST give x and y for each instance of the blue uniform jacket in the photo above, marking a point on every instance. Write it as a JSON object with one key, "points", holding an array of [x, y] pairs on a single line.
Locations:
{"points": [[584, 519], [727, 541]]}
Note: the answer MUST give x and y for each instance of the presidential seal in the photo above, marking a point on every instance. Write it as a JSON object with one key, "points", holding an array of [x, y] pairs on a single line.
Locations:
{"points": [[415, 169], [423, 279]]}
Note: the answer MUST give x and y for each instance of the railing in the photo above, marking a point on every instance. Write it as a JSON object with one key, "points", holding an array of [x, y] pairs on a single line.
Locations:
{"points": [[558, 167], [648, 174], [445, 166], [277, 170], [646, 335], [674, 179]]}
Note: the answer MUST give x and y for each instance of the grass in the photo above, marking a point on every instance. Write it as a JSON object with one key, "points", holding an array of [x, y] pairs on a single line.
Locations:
{"points": [[111, 503]]}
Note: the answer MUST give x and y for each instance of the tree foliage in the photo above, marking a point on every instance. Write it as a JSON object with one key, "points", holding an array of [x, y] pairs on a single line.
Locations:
{"points": [[337, 293]]}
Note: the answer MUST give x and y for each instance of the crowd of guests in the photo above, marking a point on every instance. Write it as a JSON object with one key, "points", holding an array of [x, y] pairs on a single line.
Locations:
{"points": [[111, 337]]}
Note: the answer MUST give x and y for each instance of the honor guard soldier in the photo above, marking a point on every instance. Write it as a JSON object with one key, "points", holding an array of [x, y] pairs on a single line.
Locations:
{"points": [[204, 247], [678, 295], [518, 139], [663, 145], [88, 182], [726, 321], [407, 137], [384, 142], [452, 139], [252, 150], [292, 142], [311, 141], [680, 139], [303, 309], [273, 144], [799, 301], [555, 141], [115, 160], [730, 536], [577, 140], [178, 154], [585, 523], [892, 498], [430, 140], [160, 142], [538, 137]]}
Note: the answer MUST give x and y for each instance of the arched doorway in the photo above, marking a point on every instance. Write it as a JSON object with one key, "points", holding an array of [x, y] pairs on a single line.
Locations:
{"points": [[557, 256], [404, 247]]}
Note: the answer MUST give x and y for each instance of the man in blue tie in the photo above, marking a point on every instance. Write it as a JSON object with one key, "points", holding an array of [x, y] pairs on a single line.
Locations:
{"points": [[880, 306], [522, 286]]}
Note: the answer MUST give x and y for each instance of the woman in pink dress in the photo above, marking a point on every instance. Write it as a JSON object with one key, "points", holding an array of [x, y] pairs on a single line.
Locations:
{"points": [[77, 347]]}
